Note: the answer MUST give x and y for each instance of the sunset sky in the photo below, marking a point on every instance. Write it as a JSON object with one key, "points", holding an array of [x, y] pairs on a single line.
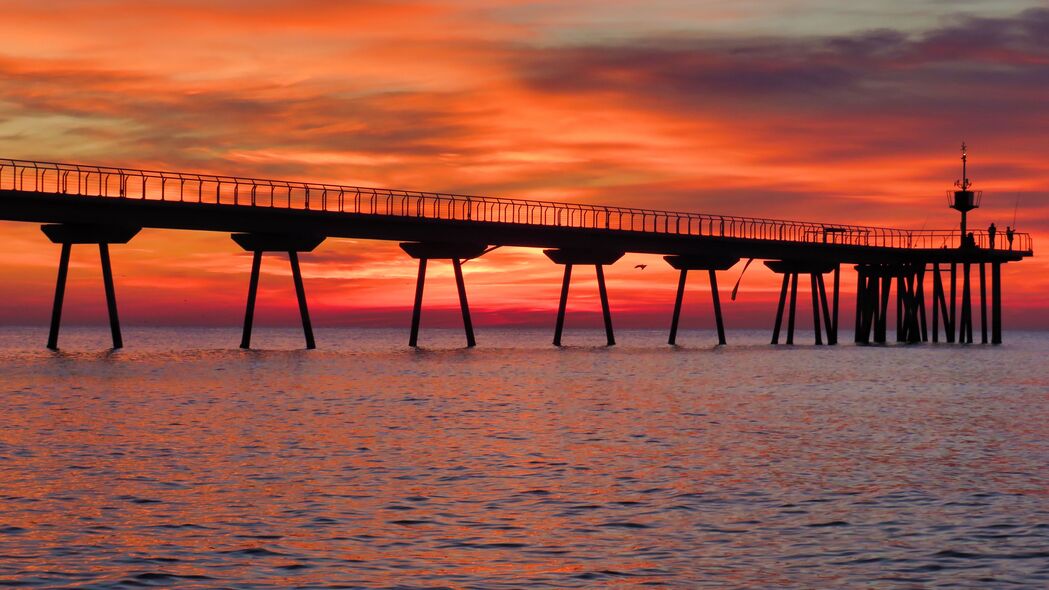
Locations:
{"points": [[808, 109]]}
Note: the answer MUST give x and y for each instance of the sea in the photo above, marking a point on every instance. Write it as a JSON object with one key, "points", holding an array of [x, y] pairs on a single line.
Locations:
{"points": [[182, 461]]}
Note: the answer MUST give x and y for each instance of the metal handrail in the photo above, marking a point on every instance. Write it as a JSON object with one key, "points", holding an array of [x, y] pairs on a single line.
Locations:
{"points": [[131, 183]]}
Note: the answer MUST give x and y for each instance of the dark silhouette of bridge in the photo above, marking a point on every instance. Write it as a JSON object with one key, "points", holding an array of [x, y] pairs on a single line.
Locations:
{"points": [[99, 205]]}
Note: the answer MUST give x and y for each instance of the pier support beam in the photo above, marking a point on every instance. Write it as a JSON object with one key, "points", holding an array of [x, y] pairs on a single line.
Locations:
{"points": [[257, 244], [716, 298], [793, 306], [920, 295], [837, 284], [937, 296], [779, 307], [953, 324], [965, 328], [711, 264], [420, 283], [822, 316], [911, 329], [464, 305], [829, 322], [861, 304], [881, 331], [60, 291], [868, 298], [605, 311], [69, 234], [569, 257], [872, 302], [677, 307], [562, 305], [996, 303], [940, 308], [253, 288], [300, 294], [983, 303], [456, 253]]}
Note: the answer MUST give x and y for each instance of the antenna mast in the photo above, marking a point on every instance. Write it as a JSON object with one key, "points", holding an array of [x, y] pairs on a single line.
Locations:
{"points": [[964, 199]]}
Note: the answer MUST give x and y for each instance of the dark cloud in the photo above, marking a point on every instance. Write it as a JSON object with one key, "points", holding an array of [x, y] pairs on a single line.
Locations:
{"points": [[973, 62]]}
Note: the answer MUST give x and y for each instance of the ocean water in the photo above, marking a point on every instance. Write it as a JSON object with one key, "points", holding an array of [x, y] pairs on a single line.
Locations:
{"points": [[182, 461]]}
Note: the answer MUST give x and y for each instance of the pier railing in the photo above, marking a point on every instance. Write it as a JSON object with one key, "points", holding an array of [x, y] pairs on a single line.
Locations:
{"points": [[129, 183]]}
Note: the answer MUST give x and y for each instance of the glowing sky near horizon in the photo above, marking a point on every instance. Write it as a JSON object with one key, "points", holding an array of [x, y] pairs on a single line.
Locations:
{"points": [[811, 109]]}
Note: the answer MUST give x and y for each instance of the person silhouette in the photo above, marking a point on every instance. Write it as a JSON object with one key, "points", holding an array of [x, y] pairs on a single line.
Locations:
{"points": [[1009, 236], [991, 230]]}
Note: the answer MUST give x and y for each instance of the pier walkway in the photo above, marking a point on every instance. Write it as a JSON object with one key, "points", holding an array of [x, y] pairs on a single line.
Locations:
{"points": [[99, 205]]}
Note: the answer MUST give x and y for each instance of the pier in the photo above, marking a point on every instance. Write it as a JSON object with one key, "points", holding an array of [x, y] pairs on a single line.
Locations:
{"points": [[102, 206]]}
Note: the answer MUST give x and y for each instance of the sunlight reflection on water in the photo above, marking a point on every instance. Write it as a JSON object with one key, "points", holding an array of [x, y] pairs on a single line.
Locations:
{"points": [[182, 461]]}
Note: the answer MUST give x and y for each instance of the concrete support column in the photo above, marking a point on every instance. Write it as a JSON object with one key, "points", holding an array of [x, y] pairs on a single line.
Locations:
{"points": [[69, 234]]}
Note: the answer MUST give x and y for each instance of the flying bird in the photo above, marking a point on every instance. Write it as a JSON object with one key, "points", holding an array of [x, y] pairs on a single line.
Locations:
{"points": [[642, 266]]}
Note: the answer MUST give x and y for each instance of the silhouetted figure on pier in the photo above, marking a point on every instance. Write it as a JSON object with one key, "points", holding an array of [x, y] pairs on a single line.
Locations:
{"points": [[1009, 236], [970, 240], [991, 231]]}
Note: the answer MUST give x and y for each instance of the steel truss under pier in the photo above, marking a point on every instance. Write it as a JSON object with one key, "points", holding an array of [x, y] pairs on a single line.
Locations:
{"points": [[874, 287], [791, 270], [945, 304]]}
